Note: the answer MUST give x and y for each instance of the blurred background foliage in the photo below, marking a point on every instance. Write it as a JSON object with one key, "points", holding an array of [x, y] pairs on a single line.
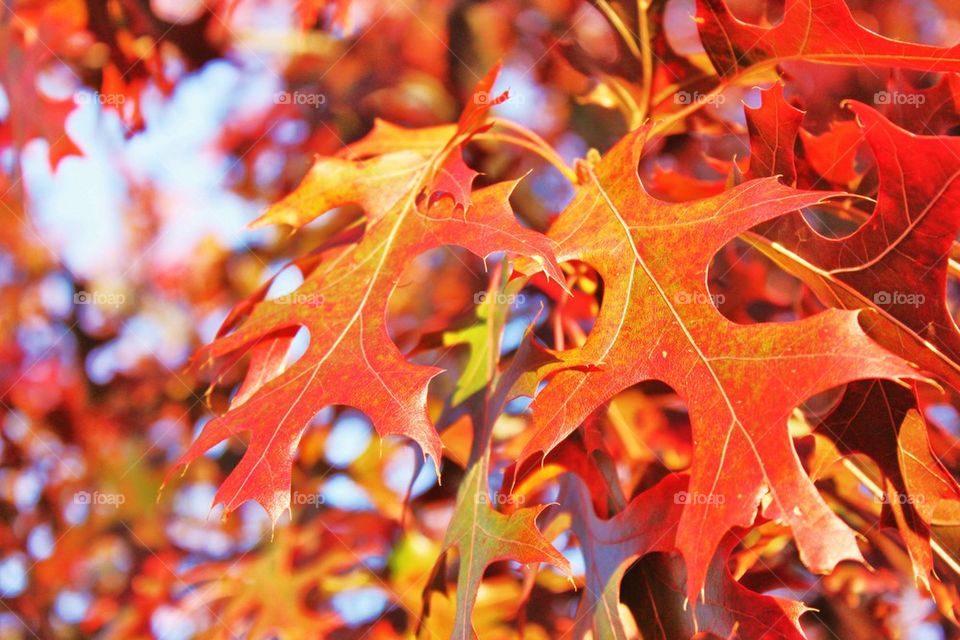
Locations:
{"points": [[137, 140]]}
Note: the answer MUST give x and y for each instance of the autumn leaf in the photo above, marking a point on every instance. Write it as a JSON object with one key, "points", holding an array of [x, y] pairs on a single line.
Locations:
{"points": [[740, 382], [479, 532], [351, 359], [729, 608], [648, 524], [773, 129], [31, 114], [483, 340], [909, 235], [816, 30], [280, 607], [879, 419], [927, 111], [833, 153], [482, 535]]}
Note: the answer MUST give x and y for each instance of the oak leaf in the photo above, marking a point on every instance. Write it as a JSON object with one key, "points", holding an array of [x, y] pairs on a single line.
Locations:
{"points": [[822, 31], [482, 535], [740, 382], [908, 238], [342, 302]]}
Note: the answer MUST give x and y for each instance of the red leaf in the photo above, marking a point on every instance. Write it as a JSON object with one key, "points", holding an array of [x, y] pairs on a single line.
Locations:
{"points": [[740, 382], [351, 359], [815, 30]]}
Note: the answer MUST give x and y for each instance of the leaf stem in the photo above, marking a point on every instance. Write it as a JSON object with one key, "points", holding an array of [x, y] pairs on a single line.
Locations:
{"points": [[532, 142], [877, 492], [617, 23], [664, 125], [647, 57]]}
